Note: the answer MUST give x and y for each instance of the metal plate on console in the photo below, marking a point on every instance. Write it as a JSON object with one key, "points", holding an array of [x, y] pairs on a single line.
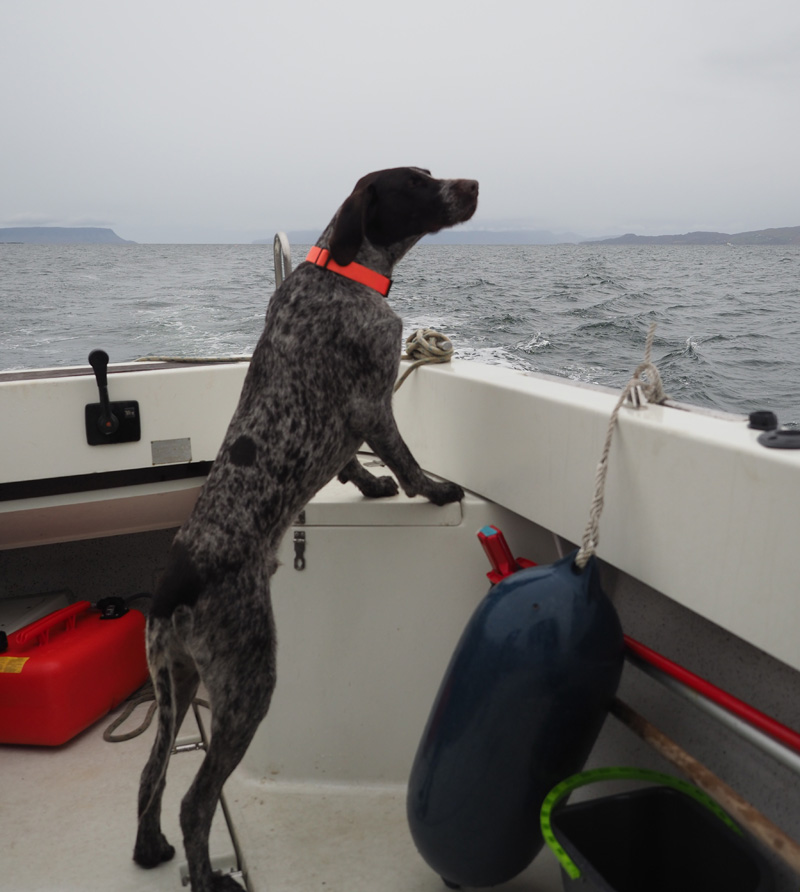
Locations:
{"points": [[167, 452]]}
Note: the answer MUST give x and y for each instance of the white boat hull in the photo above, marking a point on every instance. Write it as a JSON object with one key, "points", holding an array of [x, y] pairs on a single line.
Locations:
{"points": [[696, 543]]}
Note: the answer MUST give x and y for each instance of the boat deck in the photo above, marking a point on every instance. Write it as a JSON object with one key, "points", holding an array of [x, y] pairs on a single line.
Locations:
{"points": [[70, 822]]}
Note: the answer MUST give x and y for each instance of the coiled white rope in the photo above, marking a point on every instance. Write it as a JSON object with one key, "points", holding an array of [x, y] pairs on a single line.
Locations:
{"points": [[644, 387], [425, 346]]}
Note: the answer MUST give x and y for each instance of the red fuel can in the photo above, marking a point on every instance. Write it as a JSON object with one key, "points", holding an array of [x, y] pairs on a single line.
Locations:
{"points": [[65, 671]]}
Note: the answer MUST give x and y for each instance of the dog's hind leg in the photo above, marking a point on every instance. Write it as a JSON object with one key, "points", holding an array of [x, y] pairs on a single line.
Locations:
{"points": [[238, 670], [200, 803], [175, 681], [230, 736]]}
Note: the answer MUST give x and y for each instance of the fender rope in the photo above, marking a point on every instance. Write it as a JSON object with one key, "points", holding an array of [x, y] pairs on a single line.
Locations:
{"points": [[644, 387]]}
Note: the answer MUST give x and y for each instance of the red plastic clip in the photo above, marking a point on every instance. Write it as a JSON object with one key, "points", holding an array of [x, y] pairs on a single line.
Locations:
{"points": [[499, 554]]}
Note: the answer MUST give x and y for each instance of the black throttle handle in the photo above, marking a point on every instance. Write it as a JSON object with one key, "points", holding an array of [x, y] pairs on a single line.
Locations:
{"points": [[107, 423]]}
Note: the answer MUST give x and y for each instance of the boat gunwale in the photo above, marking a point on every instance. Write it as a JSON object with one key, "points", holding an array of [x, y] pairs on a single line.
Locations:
{"points": [[44, 374], [37, 374]]}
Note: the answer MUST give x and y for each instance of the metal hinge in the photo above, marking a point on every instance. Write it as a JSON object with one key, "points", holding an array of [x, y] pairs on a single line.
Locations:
{"points": [[299, 550]]}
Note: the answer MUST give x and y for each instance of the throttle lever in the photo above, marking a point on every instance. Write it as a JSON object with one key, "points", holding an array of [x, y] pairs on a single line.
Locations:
{"points": [[108, 422]]}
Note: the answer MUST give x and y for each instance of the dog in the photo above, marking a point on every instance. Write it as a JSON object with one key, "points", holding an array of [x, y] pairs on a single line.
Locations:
{"points": [[319, 384]]}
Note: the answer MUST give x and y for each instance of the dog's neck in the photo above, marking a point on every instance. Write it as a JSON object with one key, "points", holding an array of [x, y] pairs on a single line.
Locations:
{"points": [[375, 257]]}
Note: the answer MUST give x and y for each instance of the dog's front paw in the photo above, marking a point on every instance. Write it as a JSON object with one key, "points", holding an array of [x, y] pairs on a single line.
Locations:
{"points": [[379, 487], [443, 493], [368, 484]]}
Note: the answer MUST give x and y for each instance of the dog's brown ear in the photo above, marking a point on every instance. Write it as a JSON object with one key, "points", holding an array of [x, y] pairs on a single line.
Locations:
{"points": [[348, 231]]}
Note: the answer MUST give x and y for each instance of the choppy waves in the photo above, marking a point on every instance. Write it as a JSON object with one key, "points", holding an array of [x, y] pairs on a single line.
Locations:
{"points": [[728, 318]]}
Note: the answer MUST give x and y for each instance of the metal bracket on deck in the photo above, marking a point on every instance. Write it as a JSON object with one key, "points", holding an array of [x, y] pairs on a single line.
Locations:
{"points": [[299, 550]]}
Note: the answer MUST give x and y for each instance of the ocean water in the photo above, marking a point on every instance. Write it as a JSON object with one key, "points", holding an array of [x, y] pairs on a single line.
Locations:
{"points": [[728, 334]]}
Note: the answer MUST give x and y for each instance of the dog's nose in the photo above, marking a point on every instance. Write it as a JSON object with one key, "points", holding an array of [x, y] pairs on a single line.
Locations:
{"points": [[468, 192]]}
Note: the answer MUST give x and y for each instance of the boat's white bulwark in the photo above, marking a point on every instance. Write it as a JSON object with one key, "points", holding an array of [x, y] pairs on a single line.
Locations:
{"points": [[694, 506], [44, 430]]}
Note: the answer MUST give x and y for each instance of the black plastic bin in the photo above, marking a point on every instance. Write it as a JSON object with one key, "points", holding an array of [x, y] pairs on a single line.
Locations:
{"points": [[658, 839]]}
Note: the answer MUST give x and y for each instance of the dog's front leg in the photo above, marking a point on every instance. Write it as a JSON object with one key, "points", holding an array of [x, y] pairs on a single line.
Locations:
{"points": [[389, 445], [371, 486]]}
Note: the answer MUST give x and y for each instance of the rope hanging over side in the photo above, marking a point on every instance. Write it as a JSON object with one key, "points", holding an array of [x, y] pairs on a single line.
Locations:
{"points": [[644, 387], [424, 346]]}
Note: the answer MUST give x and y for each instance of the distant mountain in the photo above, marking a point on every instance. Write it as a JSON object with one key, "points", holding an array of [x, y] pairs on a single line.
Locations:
{"points": [[460, 237], [62, 235], [787, 235], [501, 237]]}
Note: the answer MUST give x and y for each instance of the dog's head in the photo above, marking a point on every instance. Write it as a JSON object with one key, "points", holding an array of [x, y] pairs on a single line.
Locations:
{"points": [[396, 207]]}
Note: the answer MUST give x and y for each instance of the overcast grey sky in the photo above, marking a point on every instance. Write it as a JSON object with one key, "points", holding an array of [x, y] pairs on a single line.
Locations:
{"points": [[190, 120]]}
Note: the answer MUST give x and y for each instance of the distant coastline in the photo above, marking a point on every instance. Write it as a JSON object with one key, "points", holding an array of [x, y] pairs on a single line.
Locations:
{"points": [[788, 235], [61, 235], [460, 237], [92, 235]]}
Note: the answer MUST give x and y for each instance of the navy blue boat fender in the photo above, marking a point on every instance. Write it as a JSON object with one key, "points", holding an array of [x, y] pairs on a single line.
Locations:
{"points": [[519, 709]]}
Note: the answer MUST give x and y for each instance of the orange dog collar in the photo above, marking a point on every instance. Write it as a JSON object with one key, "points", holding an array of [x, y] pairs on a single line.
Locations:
{"points": [[355, 271]]}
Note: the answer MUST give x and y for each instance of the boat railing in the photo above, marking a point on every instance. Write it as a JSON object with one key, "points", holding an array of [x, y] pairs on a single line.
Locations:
{"points": [[282, 254]]}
